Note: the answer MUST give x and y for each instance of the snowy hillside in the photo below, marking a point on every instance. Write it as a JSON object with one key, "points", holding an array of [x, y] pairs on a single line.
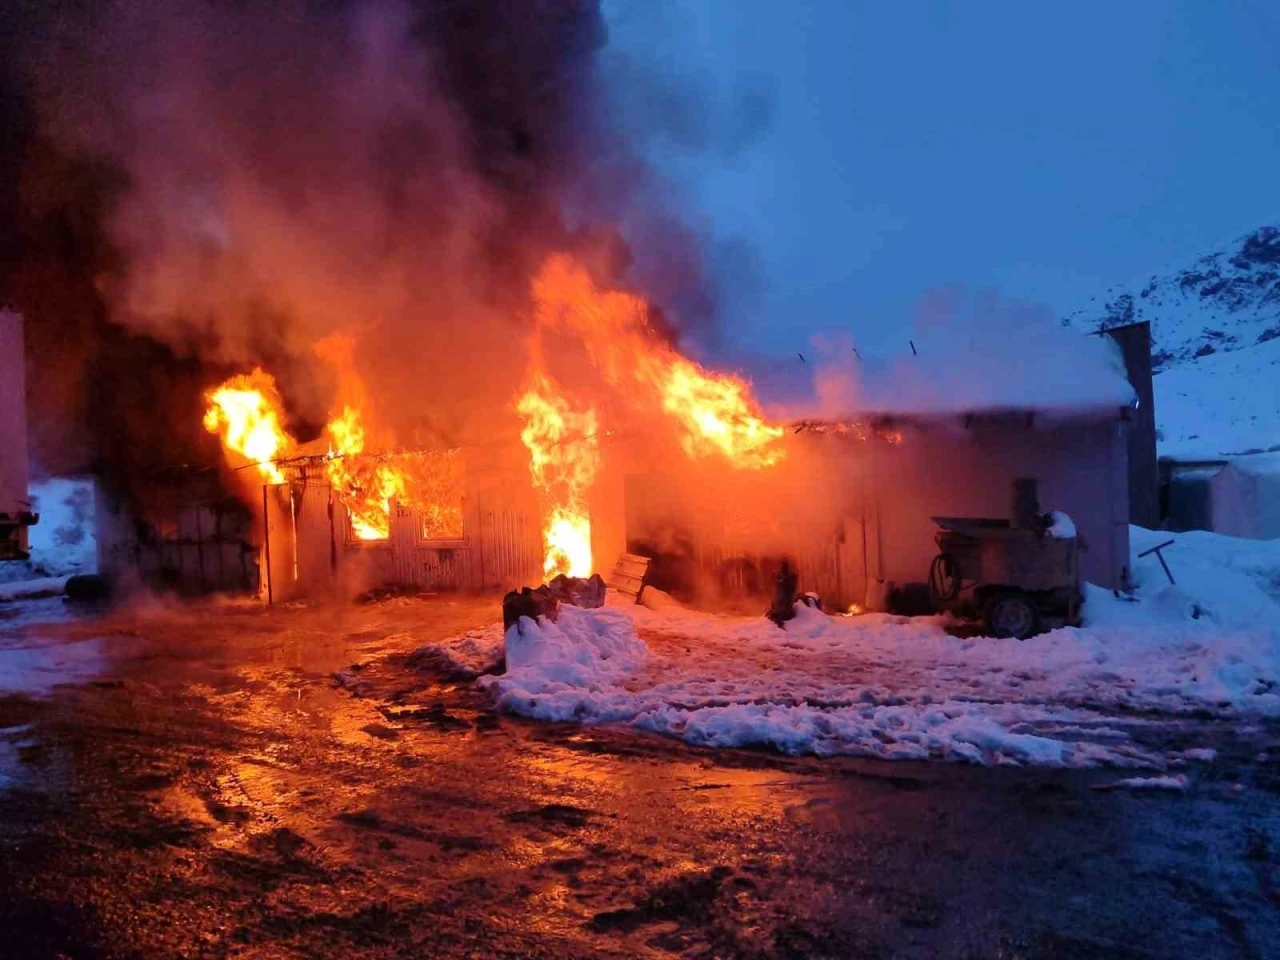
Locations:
{"points": [[1220, 405], [1226, 300], [1215, 330]]}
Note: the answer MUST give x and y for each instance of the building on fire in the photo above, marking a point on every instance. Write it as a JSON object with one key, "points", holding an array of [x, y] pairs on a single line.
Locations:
{"points": [[848, 492]]}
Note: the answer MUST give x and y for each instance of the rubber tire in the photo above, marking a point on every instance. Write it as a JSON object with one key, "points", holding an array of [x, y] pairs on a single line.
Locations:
{"points": [[1011, 613]]}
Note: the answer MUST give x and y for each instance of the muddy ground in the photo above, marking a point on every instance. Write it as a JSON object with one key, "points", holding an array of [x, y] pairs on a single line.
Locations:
{"points": [[194, 782]]}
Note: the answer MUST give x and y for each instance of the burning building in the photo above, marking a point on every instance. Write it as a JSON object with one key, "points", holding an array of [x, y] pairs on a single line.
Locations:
{"points": [[617, 443], [355, 306]]}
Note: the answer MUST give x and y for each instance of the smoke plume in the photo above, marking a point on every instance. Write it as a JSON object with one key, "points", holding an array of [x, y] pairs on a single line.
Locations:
{"points": [[200, 187]]}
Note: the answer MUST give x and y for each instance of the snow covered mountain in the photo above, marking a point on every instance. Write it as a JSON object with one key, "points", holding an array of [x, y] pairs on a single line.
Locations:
{"points": [[1226, 300], [1215, 330]]}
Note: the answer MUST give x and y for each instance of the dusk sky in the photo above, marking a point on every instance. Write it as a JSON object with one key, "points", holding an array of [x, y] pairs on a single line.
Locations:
{"points": [[1042, 151]]}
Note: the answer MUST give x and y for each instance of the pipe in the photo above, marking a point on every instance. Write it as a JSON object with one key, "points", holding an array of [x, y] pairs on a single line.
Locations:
{"points": [[266, 544]]}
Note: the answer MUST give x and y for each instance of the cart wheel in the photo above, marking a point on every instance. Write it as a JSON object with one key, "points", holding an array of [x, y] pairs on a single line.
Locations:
{"points": [[1012, 614]]}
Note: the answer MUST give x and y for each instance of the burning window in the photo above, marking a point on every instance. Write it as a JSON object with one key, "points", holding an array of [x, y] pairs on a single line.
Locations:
{"points": [[427, 487], [434, 484]]}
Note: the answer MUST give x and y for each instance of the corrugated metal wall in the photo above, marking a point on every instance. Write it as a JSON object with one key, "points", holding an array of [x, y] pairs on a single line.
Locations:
{"points": [[507, 542], [501, 546]]}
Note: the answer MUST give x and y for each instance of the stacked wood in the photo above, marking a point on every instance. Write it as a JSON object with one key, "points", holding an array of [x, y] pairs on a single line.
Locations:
{"points": [[630, 574]]}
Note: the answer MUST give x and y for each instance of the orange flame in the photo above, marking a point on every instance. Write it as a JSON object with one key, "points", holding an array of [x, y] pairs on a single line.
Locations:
{"points": [[245, 411], [365, 485], [564, 456], [715, 412]]}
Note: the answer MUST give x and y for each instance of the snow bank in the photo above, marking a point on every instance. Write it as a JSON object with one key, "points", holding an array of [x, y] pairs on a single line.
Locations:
{"points": [[568, 669], [898, 688], [64, 542], [1173, 784], [31, 589], [466, 657], [1062, 527]]}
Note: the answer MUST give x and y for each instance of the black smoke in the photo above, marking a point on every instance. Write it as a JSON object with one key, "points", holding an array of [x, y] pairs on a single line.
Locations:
{"points": [[192, 187]]}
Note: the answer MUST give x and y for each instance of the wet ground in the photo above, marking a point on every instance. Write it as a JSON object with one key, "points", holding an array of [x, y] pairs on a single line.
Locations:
{"points": [[195, 782]]}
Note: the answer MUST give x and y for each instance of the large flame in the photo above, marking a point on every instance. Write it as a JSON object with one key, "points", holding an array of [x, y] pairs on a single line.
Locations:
{"points": [[564, 455], [365, 485], [714, 415], [246, 411], [715, 412]]}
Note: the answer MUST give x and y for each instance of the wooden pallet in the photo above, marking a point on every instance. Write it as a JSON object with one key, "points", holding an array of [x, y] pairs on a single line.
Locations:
{"points": [[629, 575]]}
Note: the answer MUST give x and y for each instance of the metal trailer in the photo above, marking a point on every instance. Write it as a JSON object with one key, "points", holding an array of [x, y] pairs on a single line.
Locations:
{"points": [[1010, 573], [16, 514]]}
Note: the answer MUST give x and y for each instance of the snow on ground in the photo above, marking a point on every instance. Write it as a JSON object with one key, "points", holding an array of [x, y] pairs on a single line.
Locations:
{"points": [[63, 543], [899, 688], [31, 589], [1225, 403]]}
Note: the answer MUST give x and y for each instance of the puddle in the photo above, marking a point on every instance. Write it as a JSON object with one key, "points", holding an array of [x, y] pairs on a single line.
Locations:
{"points": [[37, 670]]}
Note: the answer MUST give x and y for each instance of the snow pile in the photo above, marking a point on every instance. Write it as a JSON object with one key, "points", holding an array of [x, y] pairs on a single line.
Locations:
{"points": [[466, 657], [568, 669], [898, 688], [1062, 527], [1173, 784], [64, 542], [31, 589]]}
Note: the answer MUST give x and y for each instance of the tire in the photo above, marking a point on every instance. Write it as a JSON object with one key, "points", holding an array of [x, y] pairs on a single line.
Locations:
{"points": [[1011, 613]]}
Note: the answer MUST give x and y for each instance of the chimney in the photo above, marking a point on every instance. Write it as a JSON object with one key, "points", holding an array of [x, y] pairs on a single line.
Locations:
{"points": [[1026, 502]]}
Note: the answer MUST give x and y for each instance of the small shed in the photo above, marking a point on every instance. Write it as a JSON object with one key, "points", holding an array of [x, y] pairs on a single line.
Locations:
{"points": [[1244, 497]]}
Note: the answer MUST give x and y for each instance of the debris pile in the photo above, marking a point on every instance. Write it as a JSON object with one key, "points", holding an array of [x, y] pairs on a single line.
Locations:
{"points": [[544, 601]]}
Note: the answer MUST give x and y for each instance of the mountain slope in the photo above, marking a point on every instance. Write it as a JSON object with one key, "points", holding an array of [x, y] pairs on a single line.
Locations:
{"points": [[1225, 300], [1223, 404], [1215, 331]]}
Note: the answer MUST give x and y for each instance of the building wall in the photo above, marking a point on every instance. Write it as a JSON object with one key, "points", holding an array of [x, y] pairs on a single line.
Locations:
{"points": [[852, 510], [313, 553], [940, 470], [197, 542], [1245, 503], [13, 420]]}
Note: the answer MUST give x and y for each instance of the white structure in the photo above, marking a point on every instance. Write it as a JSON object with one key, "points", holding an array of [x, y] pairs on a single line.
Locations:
{"points": [[15, 503], [1244, 497]]}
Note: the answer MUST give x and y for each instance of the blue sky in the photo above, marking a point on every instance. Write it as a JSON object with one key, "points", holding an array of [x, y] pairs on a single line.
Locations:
{"points": [[1044, 151]]}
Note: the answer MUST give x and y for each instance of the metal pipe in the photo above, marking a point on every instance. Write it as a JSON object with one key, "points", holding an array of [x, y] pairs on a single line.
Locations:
{"points": [[266, 544], [293, 526]]}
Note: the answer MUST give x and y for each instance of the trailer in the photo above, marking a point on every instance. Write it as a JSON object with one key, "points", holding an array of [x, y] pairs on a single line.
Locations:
{"points": [[16, 514]]}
